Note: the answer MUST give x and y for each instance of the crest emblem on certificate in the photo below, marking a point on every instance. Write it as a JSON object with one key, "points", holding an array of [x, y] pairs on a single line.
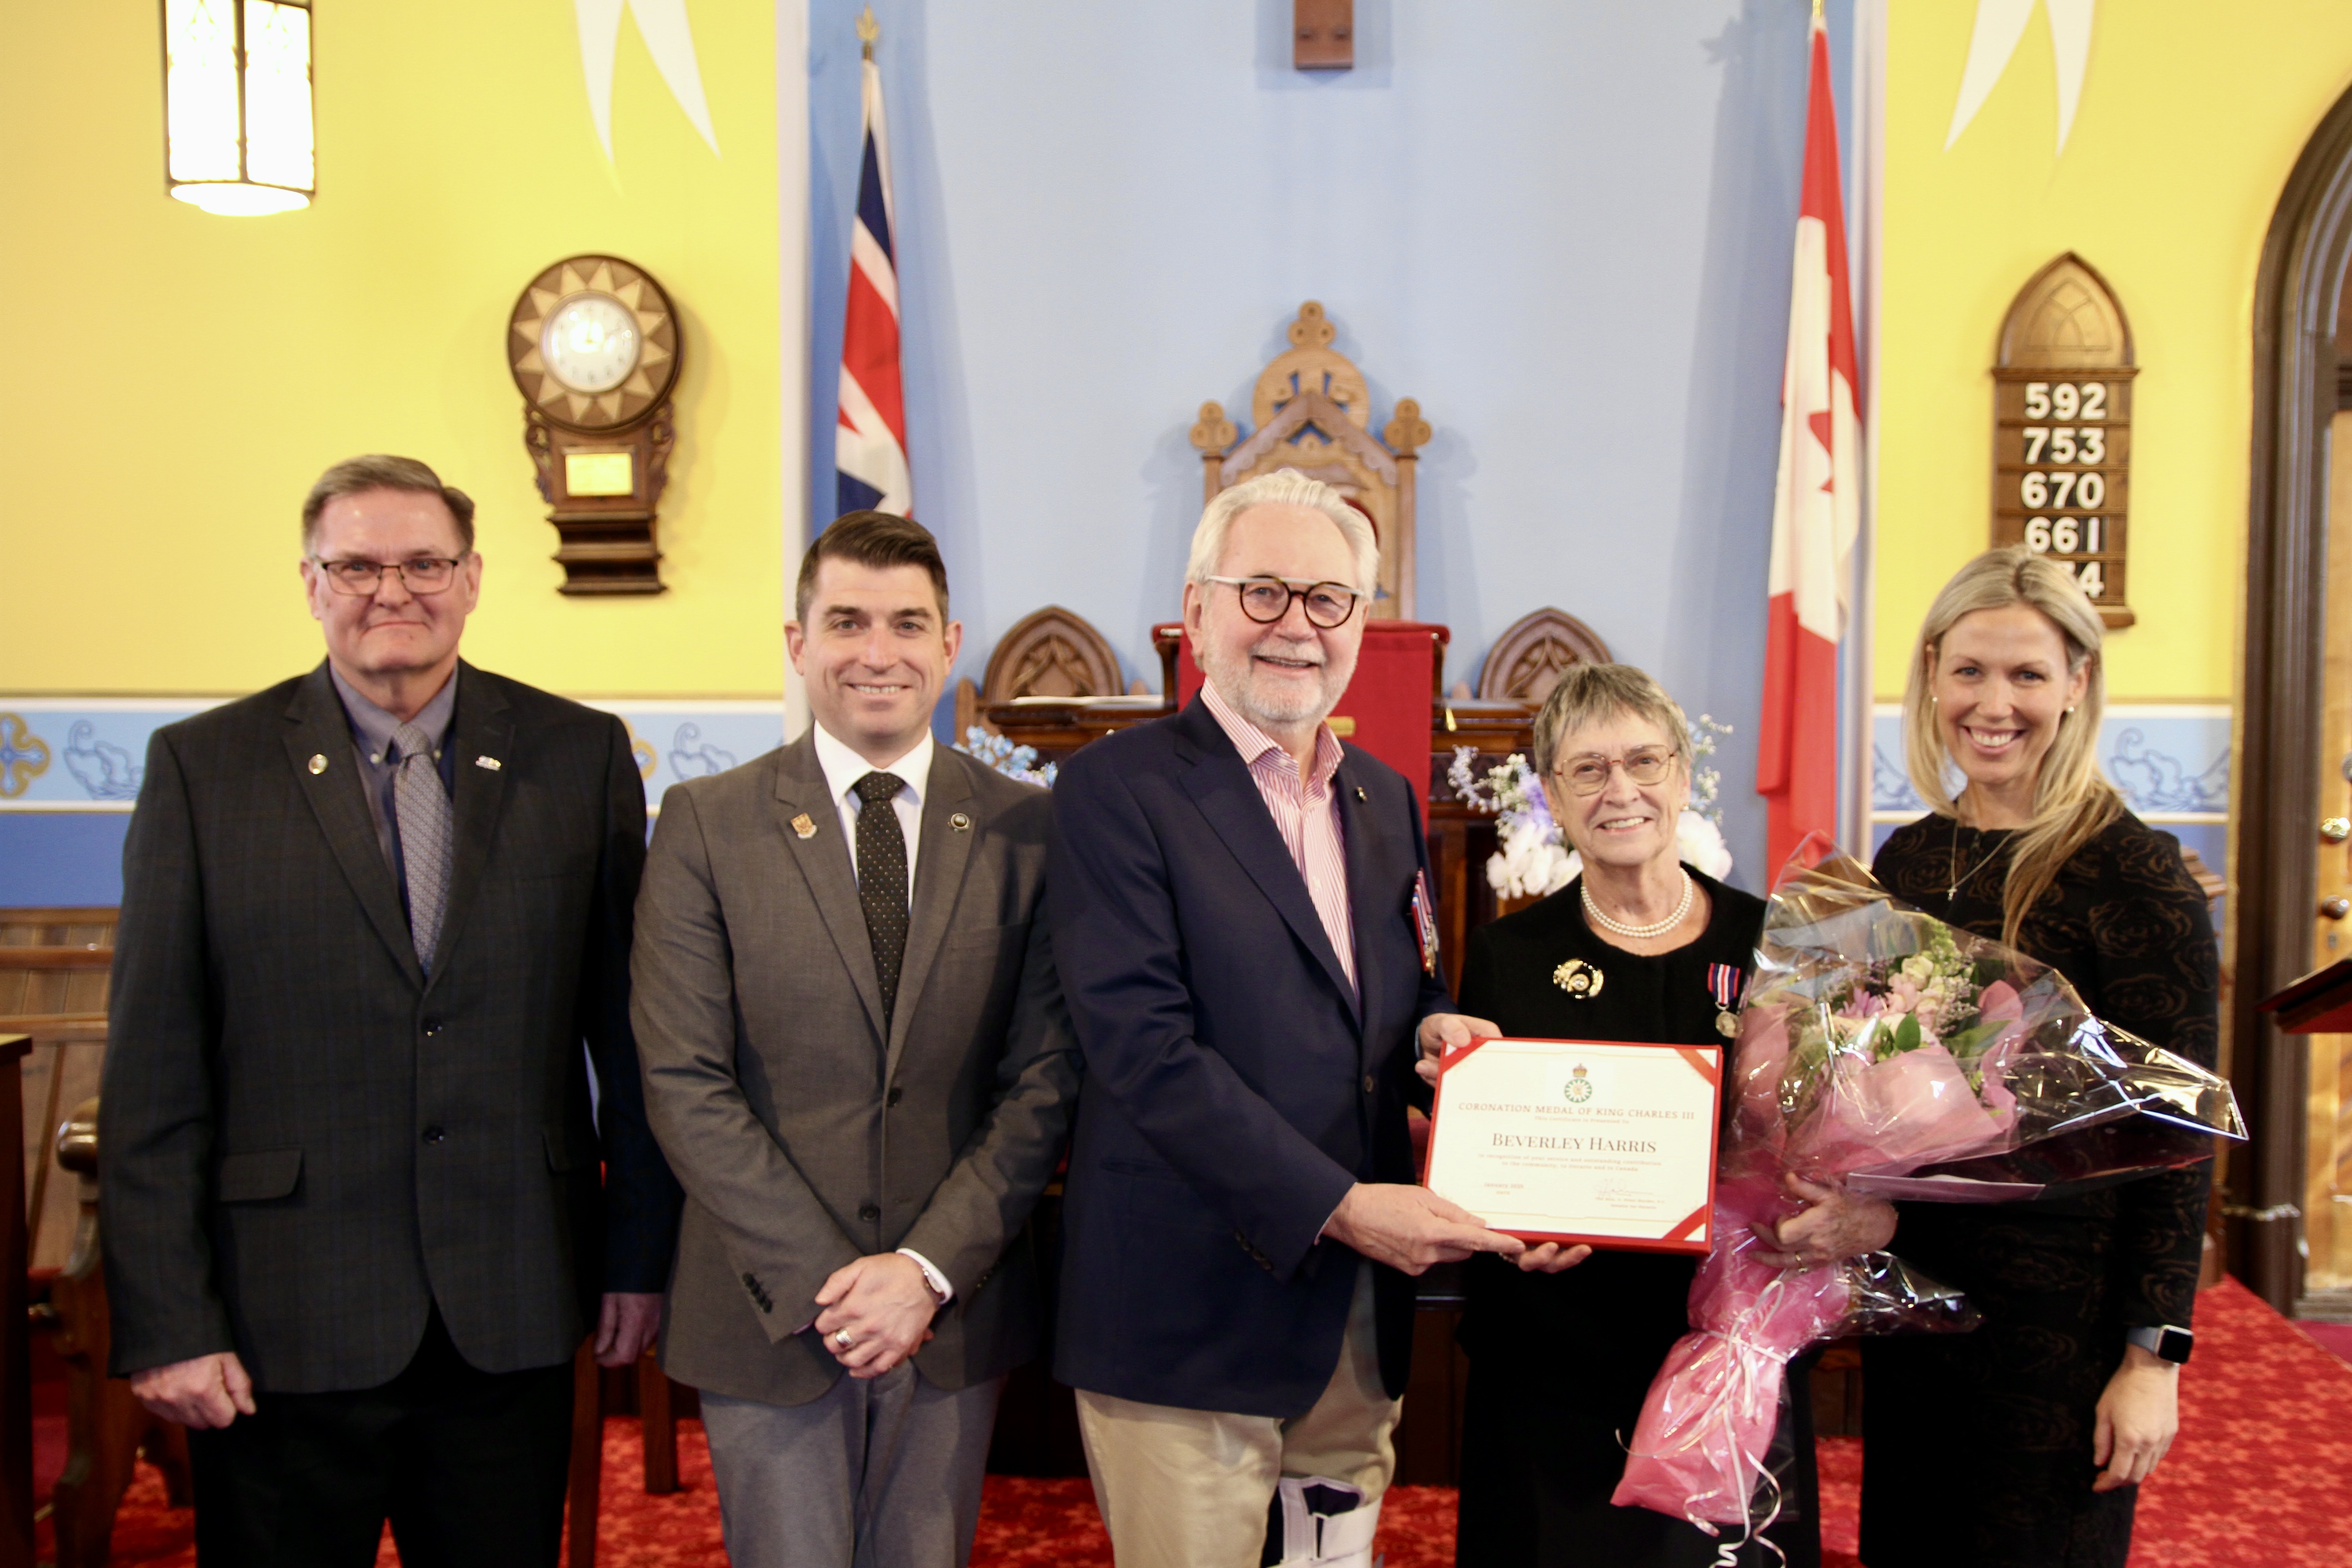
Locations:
{"points": [[1579, 979], [1579, 1088]]}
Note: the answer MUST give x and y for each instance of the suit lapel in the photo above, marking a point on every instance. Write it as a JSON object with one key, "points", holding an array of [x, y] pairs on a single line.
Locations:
{"points": [[318, 726], [941, 861], [483, 727], [1221, 786], [1370, 886], [822, 857]]}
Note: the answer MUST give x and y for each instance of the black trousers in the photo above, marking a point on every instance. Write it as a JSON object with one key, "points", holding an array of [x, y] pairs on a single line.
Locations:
{"points": [[468, 1466]]}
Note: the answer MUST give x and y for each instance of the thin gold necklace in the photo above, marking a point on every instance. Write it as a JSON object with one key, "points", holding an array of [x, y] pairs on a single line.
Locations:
{"points": [[1960, 879]]}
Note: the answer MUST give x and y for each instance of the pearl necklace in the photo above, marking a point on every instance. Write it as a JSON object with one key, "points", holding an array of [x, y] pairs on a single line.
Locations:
{"points": [[1641, 933]]}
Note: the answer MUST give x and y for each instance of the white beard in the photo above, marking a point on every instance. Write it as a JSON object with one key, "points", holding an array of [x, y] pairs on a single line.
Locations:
{"points": [[1236, 682]]}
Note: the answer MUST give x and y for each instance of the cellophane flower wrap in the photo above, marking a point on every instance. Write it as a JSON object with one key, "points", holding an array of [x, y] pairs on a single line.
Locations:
{"points": [[1887, 1052]]}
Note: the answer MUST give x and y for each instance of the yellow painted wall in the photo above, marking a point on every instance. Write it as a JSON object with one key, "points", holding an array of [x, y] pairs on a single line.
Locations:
{"points": [[177, 380], [2191, 117]]}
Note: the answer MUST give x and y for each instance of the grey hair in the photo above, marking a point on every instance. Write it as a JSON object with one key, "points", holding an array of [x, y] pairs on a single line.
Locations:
{"points": [[1284, 487], [1588, 693], [383, 471]]}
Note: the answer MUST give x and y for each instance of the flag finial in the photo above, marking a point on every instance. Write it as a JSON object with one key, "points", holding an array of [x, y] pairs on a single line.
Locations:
{"points": [[868, 29], [1817, 12]]}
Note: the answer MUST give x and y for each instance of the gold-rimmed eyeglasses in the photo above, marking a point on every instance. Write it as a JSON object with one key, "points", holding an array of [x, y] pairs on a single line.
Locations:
{"points": [[1588, 775], [1267, 599], [418, 574]]}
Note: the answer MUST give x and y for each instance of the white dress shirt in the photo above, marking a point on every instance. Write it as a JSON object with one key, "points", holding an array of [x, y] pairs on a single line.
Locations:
{"points": [[843, 768]]}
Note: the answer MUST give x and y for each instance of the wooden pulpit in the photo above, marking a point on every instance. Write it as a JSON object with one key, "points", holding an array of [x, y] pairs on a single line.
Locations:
{"points": [[16, 1340], [2318, 1004]]}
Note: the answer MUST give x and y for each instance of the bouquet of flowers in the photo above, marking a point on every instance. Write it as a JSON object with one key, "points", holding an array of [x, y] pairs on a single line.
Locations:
{"points": [[1884, 1051]]}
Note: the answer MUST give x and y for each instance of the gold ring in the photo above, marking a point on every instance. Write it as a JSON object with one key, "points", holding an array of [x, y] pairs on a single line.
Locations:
{"points": [[841, 1337]]}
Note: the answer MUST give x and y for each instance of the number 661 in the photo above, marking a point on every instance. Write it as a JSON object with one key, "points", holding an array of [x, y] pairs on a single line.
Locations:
{"points": [[2065, 535]]}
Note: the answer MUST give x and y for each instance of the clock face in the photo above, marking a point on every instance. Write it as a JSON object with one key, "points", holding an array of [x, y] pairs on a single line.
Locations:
{"points": [[590, 343], [593, 344]]}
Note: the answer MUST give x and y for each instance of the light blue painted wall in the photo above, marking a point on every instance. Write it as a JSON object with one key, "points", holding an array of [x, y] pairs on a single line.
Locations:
{"points": [[1565, 227]]}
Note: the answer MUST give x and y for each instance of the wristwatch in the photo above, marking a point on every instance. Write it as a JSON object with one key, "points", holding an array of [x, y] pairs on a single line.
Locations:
{"points": [[2172, 1344]]}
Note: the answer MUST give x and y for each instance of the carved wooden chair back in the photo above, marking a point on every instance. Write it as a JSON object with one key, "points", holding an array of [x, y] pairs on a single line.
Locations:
{"points": [[1313, 413]]}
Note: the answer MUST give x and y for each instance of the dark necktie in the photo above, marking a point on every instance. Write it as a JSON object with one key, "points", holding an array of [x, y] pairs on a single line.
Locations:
{"points": [[882, 880], [427, 826]]}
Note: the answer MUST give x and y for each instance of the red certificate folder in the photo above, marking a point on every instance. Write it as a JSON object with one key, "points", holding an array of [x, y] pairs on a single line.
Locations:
{"points": [[1566, 1141]]}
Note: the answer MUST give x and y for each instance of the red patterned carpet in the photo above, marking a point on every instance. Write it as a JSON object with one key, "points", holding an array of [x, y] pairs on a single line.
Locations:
{"points": [[2261, 1478]]}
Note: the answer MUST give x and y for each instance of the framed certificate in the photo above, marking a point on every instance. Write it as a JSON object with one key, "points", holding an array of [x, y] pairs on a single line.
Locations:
{"points": [[1598, 1142]]}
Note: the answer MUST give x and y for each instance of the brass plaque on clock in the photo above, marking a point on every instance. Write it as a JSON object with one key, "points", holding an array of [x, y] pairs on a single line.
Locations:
{"points": [[593, 345], [2062, 411]]}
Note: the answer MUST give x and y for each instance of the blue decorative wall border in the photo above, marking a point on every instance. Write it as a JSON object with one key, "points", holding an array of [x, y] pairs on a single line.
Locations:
{"points": [[2171, 761], [86, 753]]}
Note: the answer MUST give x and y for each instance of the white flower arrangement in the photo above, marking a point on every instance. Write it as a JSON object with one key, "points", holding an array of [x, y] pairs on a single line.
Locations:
{"points": [[1014, 762], [1534, 859]]}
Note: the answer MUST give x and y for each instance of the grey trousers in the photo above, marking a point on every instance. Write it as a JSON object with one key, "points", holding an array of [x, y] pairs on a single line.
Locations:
{"points": [[879, 1474]]}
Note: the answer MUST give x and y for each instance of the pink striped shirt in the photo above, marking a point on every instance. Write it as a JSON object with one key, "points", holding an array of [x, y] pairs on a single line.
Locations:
{"points": [[1307, 815]]}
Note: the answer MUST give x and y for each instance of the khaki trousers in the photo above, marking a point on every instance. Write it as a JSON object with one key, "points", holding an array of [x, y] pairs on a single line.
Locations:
{"points": [[1189, 1489]]}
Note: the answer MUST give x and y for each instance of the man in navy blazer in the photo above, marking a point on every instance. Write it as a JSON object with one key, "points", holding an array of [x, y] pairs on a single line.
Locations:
{"points": [[1233, 897]]}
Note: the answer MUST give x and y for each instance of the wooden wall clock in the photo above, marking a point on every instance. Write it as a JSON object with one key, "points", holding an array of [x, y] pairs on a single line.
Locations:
{"points": [[594, 347], [2061, 430]]}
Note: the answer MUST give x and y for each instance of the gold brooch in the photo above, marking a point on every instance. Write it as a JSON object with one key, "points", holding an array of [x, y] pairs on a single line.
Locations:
{"points": [[1579, 979], [803, 827]]}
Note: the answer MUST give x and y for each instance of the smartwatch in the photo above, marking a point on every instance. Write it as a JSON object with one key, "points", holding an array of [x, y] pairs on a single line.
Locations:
{"points": [[2172, 1344]]}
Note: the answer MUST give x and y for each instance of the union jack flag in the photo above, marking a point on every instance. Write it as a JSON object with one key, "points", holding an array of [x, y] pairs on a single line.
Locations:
{"points": [[869, 438]]}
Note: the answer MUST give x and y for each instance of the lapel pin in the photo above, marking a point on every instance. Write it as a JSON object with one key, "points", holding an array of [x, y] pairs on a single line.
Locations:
{"points": [[1359, 791], [318, 762], [803, 827], [490, 762], [961, 822]]}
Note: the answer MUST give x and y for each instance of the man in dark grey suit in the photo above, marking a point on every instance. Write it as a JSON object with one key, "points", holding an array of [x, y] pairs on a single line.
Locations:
{"points": [[354, 1228], [863, 1092]]}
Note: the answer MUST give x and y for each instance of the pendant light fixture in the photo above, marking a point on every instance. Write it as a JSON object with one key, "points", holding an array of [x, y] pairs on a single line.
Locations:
{"points": [[236, 105]]}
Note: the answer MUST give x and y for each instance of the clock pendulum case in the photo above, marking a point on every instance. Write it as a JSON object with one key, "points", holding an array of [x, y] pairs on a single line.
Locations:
{"points": [[594, 347]]}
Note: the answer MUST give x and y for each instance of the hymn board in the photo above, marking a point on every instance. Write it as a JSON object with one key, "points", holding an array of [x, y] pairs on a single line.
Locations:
{"points": [[2061, 429]]}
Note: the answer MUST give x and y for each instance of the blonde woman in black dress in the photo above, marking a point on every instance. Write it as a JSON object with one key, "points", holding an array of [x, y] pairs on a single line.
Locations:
{"points": [[2022, 1444], [1562, 1346]]}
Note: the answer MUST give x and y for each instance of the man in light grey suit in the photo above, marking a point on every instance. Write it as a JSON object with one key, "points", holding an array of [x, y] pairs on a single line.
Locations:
{"points": [[863, 1092]]}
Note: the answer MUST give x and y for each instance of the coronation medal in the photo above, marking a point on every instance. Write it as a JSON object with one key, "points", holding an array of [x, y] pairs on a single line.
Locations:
{"points": [[1722, 984], [1425, 919]]}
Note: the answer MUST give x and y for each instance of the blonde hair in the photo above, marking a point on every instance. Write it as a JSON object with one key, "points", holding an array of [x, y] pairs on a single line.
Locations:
{"points": [[2073, 803], [1588, 693], [1284, 487]]}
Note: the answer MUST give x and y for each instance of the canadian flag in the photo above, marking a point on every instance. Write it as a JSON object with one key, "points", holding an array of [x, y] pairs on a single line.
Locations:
{"points": [[1816, 502]]}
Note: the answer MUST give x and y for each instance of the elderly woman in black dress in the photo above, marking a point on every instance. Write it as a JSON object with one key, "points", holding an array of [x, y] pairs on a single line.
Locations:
{"points": [[2023, 1443], [1563, 1343]]}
